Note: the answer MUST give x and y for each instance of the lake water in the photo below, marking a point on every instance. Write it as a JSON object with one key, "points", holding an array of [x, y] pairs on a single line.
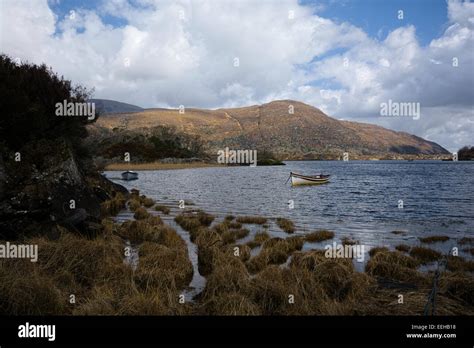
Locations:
{"points": [[361, 201]]}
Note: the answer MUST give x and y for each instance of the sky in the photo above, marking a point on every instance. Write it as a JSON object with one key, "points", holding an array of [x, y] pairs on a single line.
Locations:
{"points": [[345, 57]]}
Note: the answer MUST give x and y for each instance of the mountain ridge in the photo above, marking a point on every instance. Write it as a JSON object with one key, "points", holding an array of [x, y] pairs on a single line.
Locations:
{"points": [[288, 128]]}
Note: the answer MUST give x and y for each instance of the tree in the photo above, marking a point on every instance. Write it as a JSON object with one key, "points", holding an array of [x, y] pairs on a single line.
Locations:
{"points": [[28, 97], [466, 153]]}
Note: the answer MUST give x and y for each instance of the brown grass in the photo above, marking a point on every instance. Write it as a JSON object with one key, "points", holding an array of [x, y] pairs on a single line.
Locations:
{"points": [[229, 275], [228, 237], [258, 220], [208, 242], [319, 236], [141, 213], [137, 231], [295, 243], [403, 247], [231, 303], [433, 239], [193, 221], [376, 250], [395, 266], [234, 225], [425, 255], [459, 264], [274, 251], [146, 201], [261, 237], [348, 241], [27, 290], [286, 225], [113, 206], [163, 208], [161, 267], [258, 240], [241, 233], [240, 251], [134, 204], [458, 286]]}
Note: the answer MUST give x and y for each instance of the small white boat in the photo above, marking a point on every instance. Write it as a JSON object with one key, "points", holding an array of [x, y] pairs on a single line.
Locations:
{"points": [[129, 175], [298, 179]]}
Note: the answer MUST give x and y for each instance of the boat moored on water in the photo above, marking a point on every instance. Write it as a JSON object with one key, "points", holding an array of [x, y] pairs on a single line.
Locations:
{"points": [[129, 175], [298, 179]]}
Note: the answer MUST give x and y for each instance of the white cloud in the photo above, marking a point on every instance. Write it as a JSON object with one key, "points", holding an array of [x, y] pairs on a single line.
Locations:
{"points": [[183, 52]]}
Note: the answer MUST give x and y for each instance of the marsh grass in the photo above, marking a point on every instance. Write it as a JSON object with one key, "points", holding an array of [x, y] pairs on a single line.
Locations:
{"points": [[162, 267], [234, 225], [261, 237], [286, 225], [141, 213], [376, 250], [229, 218], [146, 201], [274, 251], [319, 236], [458, 285], [433, 239], [403, 247], [163, 208], [134, 204], [425, 255], [93, 269], [395, 266], [193, 221], [137, 231], [258, 240], [258, 220], [112, 206], [459, 264], [348, 241]]}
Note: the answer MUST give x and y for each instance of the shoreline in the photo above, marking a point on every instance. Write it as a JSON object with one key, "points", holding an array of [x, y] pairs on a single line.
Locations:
{"points": [[159, 166], [173, 166]]}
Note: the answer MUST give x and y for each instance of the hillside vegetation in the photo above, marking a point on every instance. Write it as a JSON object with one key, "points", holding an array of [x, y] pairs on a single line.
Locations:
{"points": [[289, 129]]}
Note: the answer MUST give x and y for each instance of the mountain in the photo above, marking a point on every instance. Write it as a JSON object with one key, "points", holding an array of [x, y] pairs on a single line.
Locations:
{"points": [[105, 107], [307, 133]]}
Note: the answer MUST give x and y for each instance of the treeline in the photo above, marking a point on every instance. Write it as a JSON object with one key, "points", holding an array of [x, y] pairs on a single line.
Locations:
{"points": [[144, 145], [466, 153]]}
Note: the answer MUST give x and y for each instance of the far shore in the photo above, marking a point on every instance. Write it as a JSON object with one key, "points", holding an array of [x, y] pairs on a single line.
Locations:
{"points": [[159, 166], [190, 165]]}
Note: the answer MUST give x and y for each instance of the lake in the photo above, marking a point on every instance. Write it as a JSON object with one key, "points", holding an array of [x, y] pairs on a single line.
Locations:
{"points": [[363, 200]]}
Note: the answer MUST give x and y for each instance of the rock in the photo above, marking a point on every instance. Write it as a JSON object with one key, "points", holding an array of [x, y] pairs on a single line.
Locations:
{"points": [[58, 192], [3, 179], [76, 217]]}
